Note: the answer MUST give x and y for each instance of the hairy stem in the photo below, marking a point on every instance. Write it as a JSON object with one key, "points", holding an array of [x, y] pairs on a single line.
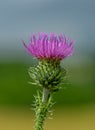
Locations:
{"points": [[44, 103]]}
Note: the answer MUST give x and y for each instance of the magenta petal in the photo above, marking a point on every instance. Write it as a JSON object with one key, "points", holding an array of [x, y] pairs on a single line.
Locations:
{"points": [[49, 46]]}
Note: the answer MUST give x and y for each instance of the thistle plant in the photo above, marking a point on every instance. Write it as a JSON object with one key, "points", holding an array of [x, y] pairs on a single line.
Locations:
{"points": [[49, 49]]}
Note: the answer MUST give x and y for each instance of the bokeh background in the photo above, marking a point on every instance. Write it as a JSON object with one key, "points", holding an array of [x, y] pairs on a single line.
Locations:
{"points": [[75, 105]]}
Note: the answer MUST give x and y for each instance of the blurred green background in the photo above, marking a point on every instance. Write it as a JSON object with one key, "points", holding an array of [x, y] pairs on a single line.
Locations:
{"points": [[79, 84], [75, 104]]}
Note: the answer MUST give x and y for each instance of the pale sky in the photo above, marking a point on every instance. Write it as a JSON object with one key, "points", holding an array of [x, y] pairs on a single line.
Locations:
{"points": [[20, 18]]}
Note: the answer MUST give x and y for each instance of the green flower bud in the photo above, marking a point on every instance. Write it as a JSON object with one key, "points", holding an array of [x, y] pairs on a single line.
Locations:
{"points": [[47, 74]]}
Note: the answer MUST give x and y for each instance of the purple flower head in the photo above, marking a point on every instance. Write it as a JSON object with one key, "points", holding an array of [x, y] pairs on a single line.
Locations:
{"points": [[46, 46]]}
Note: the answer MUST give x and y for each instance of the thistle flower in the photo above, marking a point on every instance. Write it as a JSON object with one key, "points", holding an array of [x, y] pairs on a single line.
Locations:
{"points": [[49, 46], [49, 50]]}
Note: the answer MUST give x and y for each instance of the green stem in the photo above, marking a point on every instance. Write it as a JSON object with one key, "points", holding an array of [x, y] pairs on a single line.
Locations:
{"points": [[46, 95], [42, 109]]}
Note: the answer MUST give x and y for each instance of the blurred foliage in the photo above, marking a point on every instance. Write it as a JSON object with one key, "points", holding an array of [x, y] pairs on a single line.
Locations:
{"points": [[15, 89]]}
